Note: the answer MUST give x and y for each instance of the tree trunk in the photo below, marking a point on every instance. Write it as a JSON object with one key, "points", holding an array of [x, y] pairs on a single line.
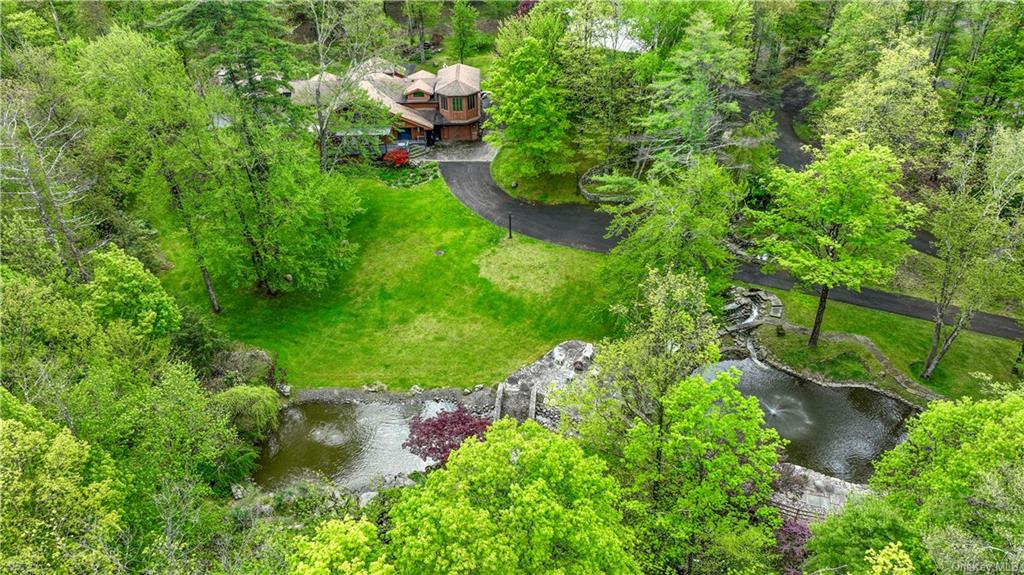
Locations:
{"points": [[212, 295], [930, 366], [56, 23], [819, 317], [423, 55], [936, 340]]}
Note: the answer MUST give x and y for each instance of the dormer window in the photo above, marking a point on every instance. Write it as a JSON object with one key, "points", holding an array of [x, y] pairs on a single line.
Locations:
{"points": [[417, 94]]}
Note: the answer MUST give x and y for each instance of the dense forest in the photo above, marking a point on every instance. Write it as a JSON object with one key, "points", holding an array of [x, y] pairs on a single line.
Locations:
{"points": [[169, 205]]}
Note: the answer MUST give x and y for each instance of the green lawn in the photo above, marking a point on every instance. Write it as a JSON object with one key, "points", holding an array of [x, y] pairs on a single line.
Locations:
{"points": [[404, 315], [547, 189], [905, 341], [836, 360]]}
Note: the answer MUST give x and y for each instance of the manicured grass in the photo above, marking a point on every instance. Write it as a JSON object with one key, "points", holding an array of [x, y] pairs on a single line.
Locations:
{"points": [[905, 341], [836, 360], [405, 315], [546, 189]]}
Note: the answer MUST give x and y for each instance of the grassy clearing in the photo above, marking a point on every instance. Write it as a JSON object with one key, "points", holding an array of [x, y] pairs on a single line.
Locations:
{"points": [[546, 189], [905, 341], [836, 360], [405, 315]]}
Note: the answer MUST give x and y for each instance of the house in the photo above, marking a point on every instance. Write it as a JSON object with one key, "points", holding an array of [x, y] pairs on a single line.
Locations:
{"points": [[428, 107]]}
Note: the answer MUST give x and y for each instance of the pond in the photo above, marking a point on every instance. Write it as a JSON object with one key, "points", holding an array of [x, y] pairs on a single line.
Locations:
{"points": [[355, 444], [838, 431]]}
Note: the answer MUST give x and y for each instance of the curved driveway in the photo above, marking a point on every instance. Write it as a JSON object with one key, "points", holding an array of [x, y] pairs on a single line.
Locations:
{"points": [[582, 226], [572, 225]]}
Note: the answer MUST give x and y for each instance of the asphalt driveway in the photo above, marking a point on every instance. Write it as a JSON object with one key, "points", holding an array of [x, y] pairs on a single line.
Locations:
{"points": [[583, 227]]}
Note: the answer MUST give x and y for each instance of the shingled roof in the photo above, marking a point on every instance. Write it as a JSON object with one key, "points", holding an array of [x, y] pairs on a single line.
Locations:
{"points": [[457, 80]]}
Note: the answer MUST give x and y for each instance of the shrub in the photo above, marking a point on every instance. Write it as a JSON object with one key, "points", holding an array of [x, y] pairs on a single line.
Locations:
{"points": [[434, 438], [397, 158], [252, 410]]}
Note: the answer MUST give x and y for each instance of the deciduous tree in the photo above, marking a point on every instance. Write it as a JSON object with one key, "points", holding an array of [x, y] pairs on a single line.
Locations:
{"points": [[699, 483], [60, 498], [342, 547], [979, 223], [839, 222], [524, 500], [123, 289], [434, 438], [895, 105], [528, 115], [463, 27], [421, 14]]}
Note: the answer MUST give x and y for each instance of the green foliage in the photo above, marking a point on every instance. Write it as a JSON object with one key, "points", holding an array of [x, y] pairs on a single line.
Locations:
{"points": [[243, 39], [122, 289], [661, 25], [699, 481], [197, 341], [891, 560], [979, 225], [463, 27], [48, 341], [341, 547], [853, 46], [947, 492], [679, 217], [895, 105], [866, 523], [529, 110], [523, 500], [838, 222], [60, 498], [690, 94], [252, 410], [668, 334], [949, 451]]}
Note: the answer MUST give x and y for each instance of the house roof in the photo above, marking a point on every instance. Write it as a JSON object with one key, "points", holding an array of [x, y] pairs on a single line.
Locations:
{"points": [[304, 91], [419, 86], [457, 80], [423, 75], [388, 91]]}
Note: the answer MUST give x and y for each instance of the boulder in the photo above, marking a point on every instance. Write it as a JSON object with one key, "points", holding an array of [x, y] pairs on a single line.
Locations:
{"points": [[366, 498]]}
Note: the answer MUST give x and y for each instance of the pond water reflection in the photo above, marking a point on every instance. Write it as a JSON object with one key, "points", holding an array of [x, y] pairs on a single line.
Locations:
{"points": [[837, 431]]}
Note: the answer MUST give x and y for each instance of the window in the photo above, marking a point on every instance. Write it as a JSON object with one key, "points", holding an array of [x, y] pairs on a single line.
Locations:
{"points": [[417, 94], [472, 103], [444, 103], [457, 104]]}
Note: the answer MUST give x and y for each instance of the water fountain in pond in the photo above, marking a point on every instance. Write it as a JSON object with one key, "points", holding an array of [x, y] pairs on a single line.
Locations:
{"points": [[836, 431]]}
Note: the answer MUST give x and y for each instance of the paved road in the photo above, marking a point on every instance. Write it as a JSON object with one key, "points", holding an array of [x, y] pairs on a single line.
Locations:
{"points": [[583, 227]]}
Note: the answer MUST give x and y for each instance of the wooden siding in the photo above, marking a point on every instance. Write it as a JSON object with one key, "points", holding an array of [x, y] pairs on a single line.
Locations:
{"points": [[467, 132], [466, 113]]}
